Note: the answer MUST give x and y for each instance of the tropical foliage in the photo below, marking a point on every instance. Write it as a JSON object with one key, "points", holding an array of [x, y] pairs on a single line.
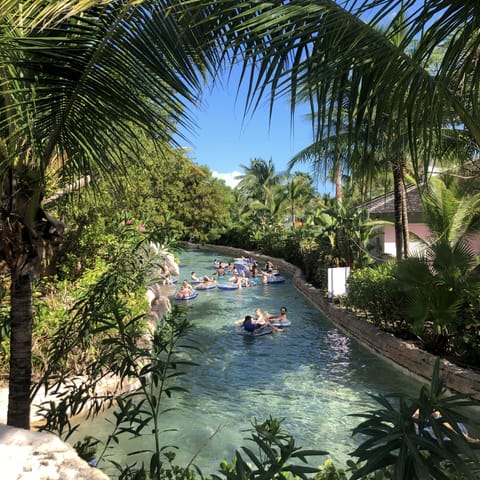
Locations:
{"points": [[375, 294], [399, 442], [276, 450], [433, 295], [440, 282], [83, 82], [79, 82]]}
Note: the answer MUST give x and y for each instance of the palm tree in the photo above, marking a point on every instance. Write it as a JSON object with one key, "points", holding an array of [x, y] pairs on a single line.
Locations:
{"points": [[324, 52], [441, 280], [258, 178], [78, 81], [449, 213], [328, 159], [298, 188]]}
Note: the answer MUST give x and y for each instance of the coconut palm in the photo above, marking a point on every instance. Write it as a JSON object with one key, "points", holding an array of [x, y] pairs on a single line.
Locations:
{"points": [[298, 190], [258, 178], [328, 53], [78, 81], [328, 159]]}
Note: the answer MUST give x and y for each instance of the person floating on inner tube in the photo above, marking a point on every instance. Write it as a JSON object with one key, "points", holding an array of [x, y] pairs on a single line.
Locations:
{"points": [[282, 318], [436, 417], [194, 277], [263, 318], [250, 326], [186, 290]]}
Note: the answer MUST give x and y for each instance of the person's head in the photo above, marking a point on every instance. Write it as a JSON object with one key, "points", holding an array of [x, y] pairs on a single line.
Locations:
{"points": [[283, 310], [258, 311], [247, 319], [185, 283]]}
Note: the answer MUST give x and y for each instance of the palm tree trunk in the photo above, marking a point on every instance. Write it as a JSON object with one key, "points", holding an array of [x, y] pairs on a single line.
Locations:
{"points": [[405, 228], [338, 180], [398, 213], [21, 318]]}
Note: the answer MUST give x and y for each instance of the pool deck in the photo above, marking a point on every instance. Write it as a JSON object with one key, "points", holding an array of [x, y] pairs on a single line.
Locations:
{"points": [[402, 353]]}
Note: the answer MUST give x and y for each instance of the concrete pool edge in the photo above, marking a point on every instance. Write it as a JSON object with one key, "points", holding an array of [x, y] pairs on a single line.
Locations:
{"points": [[403, 353]]}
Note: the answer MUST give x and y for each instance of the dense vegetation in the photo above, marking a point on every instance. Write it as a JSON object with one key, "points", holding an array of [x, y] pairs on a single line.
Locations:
{"points": [[92, 95], [107, 334]]}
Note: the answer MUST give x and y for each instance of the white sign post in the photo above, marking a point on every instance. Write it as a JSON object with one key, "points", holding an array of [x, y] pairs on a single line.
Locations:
{"points": [[337, 281]]}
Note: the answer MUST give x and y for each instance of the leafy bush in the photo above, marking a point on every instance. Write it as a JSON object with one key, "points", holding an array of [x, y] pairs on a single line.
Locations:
{"points": [[374, 292], [328, 471], [442, 294], [399, 445], [276, 452]]}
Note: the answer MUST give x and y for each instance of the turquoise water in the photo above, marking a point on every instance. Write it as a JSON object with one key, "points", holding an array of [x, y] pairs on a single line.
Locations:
{"points": [[311, 374]]}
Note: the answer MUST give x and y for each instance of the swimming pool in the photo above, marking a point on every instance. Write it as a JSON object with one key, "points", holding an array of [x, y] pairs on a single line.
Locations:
{"points": [[311, 374]]}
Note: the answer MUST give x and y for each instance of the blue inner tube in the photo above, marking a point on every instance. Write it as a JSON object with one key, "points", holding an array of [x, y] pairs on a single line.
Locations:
{"points": [[258, 333], [227, 286], [206, 287], [276, 279], [188, 297], [241, 267]]}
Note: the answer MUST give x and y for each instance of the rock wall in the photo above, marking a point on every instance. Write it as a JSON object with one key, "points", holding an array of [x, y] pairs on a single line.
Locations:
{"points": [[402, 353]]}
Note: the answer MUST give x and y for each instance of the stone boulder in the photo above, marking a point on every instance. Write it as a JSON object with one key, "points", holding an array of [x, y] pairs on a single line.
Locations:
{"points": [[166, 259], [26, 455]]}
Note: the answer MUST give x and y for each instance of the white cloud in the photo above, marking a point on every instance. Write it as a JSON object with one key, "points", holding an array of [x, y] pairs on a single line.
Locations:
{"points": [[229, 178]]}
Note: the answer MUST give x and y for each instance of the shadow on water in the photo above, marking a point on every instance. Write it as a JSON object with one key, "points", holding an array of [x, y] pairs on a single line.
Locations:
{"points": [[311, 374]]}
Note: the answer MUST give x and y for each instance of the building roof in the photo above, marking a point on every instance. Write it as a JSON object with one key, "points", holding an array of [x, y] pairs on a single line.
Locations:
{"points": [[384, 204]]}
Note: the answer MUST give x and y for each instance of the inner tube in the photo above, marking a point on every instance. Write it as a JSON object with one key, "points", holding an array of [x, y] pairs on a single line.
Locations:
{"points": [[187, 297], [276, 279], [257, 333], [206, 287], [227, 286], [288, 323], [241, 267]]}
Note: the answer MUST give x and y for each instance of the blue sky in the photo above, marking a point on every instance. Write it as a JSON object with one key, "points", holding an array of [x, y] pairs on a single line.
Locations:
{"points": [[225, 140]]}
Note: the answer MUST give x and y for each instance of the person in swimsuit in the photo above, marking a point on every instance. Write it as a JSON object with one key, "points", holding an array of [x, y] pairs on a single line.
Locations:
{"points": [[437, 417], [194, 277], [250, 326], [282, 318], [263, 318], [186, 290]]}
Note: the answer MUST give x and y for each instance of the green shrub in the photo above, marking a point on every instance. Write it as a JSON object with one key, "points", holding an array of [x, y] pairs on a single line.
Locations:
{"points": [[328, 471], [374, 292]]}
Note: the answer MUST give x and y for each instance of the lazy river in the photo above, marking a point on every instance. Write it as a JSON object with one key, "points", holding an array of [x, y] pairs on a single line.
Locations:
{"points": [[311, 374]]}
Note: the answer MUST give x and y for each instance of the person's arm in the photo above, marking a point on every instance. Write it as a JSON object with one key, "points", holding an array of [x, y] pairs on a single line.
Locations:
{"points": [[463, 431]]}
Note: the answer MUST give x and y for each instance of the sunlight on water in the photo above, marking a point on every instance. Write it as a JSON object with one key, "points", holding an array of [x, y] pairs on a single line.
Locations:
{"points": [[311, 374]]}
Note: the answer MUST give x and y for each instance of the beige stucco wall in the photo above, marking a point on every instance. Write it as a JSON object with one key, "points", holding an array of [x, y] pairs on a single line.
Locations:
{"points": [[402, 353]]}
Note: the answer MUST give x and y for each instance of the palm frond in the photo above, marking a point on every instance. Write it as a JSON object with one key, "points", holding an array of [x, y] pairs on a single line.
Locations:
{"points": [[327, 52], [80, 88]]}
